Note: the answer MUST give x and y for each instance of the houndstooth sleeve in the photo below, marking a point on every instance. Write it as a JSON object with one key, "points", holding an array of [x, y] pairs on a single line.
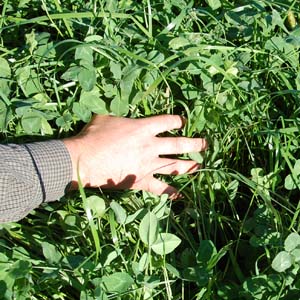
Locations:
{"points": [[31, 174]]}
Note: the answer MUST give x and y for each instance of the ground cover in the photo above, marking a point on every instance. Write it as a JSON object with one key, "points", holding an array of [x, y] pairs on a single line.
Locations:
{"points": [[230, 67]]}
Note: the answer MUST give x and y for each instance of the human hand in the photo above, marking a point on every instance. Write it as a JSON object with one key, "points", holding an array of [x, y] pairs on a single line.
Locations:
{"points": [[123, 153]]}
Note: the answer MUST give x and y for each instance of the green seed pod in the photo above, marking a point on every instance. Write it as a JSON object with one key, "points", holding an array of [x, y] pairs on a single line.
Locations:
{"points": [[291, 21]]}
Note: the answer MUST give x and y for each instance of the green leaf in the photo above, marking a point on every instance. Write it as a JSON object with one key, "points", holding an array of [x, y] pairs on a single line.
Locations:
{"points": [[19, 269], [45, 47], [93, 38], [148, 229], [110, 90], [196, 274], [31, 122], [282, 261], [297, 79], [178, 43], [84, 295], [71, 74], [46, 129], [51, 253], [82, 112], [137, 215], [289, 183], [100, 294], [118, 282], [196, 156], [85, 53], [297, 167], [31, 41], [96, 204], [206, 252], [161, 208], [92, 101], [110, 257], [119, 211], [296, 255], [256, 286], [118, 106], [232, 189], [87, 78], [173, 270], [292, 241], [29, 81], [3, 258], [5, 71], [5, 116], [292, 181], [214, 4], [277, 20], [144, 261], [190, 92], [130, 73], [116, 70], [5, 91], [165, 243]]}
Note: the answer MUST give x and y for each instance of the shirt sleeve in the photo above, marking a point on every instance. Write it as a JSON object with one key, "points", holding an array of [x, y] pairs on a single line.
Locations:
{"points": [[31, 174]]}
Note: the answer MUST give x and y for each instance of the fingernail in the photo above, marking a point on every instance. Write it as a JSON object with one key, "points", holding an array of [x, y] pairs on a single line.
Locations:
{"points": [[183, 120], [176, 196]]}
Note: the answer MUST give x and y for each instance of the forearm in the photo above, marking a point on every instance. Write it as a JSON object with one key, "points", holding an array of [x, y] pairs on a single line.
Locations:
{"points": [[31, 174]]}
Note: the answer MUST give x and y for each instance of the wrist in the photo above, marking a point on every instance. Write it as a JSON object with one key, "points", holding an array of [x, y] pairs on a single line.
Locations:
{"points": [[74, 148]]}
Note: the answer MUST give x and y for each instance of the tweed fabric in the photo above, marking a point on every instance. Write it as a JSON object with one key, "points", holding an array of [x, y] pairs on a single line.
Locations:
{"points": [[31, 174]]}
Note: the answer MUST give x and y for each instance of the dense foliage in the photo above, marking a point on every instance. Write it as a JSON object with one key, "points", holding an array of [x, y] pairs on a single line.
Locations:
{"points": [[232, 68]]}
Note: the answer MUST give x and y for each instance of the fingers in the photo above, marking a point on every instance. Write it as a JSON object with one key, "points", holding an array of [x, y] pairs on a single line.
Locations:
{"points": [[169, 166], [158, 187], [162, 123], [180, 145]]}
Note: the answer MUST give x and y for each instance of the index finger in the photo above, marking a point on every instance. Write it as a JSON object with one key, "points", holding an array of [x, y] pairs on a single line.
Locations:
{"points": [[162, 123], [180, 145]]}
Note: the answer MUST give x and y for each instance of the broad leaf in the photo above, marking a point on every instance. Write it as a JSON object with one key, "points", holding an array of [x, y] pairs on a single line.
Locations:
{"points": [[118, 282], [144, 261], [119, 211], [149, 228], [5, 71], [292, 181], [179, 42], [206, 252], [96, 204], [165, 243], [116, 70], [119, 106], [130, 73], [282, 261], [82, 112], [19, 269], [31, 41], [51, 253], [190, 92], [292, 241], [46, 128], [84, 52], [31, 122], [5, 115], [87, 78], [29, 81], [71, 74], [92, 101], [296, 255], [214, 4]]}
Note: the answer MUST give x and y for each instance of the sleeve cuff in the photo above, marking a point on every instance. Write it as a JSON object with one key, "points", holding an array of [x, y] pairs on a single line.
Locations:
{"points": [[53, 165]]}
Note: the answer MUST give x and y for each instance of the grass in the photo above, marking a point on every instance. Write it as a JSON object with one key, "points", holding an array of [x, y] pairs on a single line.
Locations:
{"points": [[230, 67]]}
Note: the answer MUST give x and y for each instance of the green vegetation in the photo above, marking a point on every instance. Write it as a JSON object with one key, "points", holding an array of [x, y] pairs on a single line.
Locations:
{"points": [[232, 68]]}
